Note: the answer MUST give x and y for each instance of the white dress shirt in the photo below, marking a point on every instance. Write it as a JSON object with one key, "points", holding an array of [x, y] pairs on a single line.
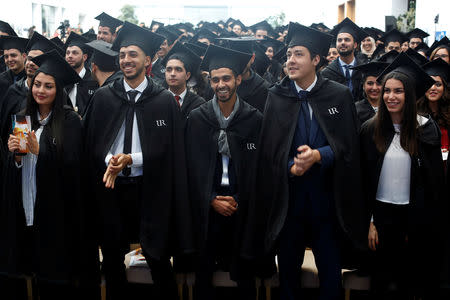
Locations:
{"points": [[342, 63], [182, 95], [73, 92], [137, 167]]}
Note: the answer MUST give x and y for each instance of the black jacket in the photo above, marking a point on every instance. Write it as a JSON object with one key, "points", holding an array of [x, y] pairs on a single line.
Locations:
{"points": [[7, 79], [85, 90], [254, 91], [190, 102], [364, 110], [334, 72]]}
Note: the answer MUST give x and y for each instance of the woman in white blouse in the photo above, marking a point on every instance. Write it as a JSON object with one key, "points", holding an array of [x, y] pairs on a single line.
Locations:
{"points": [[41, 217], [403, 181]]}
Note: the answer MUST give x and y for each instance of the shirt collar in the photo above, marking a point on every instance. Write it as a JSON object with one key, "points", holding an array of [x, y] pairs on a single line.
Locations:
{"points": [[44, 121], [342, 63], [181, 95], [82, 72], [298, 88], [140, 88]]}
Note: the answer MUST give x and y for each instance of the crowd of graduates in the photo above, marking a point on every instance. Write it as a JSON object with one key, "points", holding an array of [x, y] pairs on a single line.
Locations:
{"points": [[222, 147]]}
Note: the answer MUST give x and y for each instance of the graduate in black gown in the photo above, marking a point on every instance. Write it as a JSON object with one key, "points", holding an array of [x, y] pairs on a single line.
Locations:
{"points": [[221, 143], [5, 29], [42, 221], [368, 106], [104, 67], [134, 143], [14, 56], [308, 189], [180, 64], [403, 177]]}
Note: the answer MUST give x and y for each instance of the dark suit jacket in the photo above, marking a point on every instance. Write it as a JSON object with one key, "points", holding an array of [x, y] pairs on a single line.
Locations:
{"points": [[334, 72], [85, 89]]}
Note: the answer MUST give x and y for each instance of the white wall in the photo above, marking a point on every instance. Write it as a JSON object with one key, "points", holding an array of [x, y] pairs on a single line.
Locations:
{"points": [[372, 13], [425, 13]]}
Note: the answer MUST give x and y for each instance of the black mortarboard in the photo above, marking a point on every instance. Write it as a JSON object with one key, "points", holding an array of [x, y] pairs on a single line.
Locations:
{"points": [[40, 42], [6, 28], [373, 68], [422, 47], [244, 44], [190, 60], [131, 34], [315, 40], [13, 42], [170, 36], [238, 22], [416, 57], [196, 47], [405, 65], [79, 41], [417, 33], [108, 21], [213, 27], [371, 32], [51, 63], [228, 34], [379, 32], [204, 34], [184, 26], [437, 67], [280, 56], [349, 27], [379, 50], [393, 36], [263, 25], [90, 35], [261, 62], [156, 23], [269, 42], [443, 42], [103, 55], [388, 57], [320, 27], [57, 41], [230, 20], [219, 57]]}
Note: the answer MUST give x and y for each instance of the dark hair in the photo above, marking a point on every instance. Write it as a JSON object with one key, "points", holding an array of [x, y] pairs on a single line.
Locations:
{"points": [[181, 58], [56, 122], [383, 121], [439, 48], [442, 116]]}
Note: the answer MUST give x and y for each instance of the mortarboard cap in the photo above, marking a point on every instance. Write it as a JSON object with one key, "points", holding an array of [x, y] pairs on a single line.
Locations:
{"points": [[443, 42], [347, 26], [213, 27], [437, 67], [79, 41], [196, 47], [379, 50], [393, 36], [244, 44], [314, 40], [229, 21], [204, 33], [8, 42], [108, 21], [154, 23], [416, 57], [280, 56], [103, 55], [261, 62], [269, 42], [190, 60], [238, 22], [131, 34], [57, 41], [90, 35], [417, 33], [422, 47], [6, 28], [263, 25], [170, 36], [51, 63], [219, 57], [39, 42], [405, 65], [373, 68], [371, 32], [320, 27]]}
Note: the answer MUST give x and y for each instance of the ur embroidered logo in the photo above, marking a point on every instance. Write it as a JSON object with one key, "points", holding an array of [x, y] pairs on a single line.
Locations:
{"points": [[333, 111], [161, 123], [251, 146], [91, 92]]}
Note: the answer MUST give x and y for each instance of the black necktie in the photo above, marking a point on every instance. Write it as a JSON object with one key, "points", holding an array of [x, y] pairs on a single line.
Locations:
{"points": [[129, 128], [303, 95], [348, 77]]}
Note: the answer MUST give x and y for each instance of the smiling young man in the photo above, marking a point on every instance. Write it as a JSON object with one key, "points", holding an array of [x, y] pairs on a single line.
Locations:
{"points": [[180, 64], [308, 191], [134, 142], [14, 55], [348, 36], [221, 142], [107, 27]]}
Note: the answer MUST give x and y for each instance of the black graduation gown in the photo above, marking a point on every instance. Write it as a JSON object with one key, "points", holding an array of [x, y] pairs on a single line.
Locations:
{"points": [[202, 131], [362, 58], [2, 64], [85, 90], [426, 209], [7, 79], [14, 101], [58, 218], [254, 91], [334, 72], [190, 102], [269, 206], [113, 77], [159, 72], [364, 110], [273, 72], [165, 217]]}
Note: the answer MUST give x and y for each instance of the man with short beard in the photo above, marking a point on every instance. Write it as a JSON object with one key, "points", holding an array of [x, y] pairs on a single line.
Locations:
{"points": [[221, 142], [76, 55], [107, 27], [348, 36], [14, 55], [136, 168], [5, 29]]}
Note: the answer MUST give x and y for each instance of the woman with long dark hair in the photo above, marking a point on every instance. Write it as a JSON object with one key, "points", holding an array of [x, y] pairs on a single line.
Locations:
{"points": [[403, 180], [41, 212], [436, 101]]}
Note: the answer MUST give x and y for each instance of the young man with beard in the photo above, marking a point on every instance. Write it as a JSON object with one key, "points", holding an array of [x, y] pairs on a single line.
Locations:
{"points": [[136, 168], [14, 55], [76, 55], [180, 64], [5, 29], [221, 143], [308, 182], [348, 36], [107, 27]]}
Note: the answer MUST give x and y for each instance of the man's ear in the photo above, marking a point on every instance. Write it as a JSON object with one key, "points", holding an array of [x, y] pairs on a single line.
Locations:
{"points": [[188, 75]]}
